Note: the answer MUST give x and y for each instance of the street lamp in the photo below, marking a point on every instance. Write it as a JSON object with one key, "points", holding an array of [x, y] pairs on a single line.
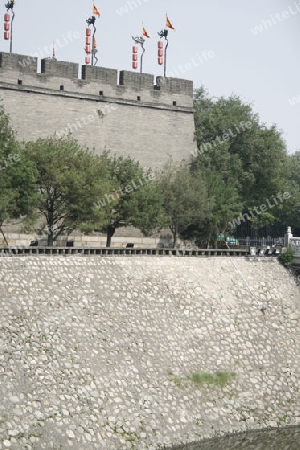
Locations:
{"points": [[9, 5], [91, 21], [140, 41], [88, 50], [162, 55]]}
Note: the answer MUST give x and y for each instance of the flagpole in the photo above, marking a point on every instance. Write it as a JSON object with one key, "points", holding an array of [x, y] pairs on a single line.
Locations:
{"points": [[139, 40], [93, 37], [164, 34], [143, 48], [10, 5], [165, 58], [11, 31], [91, 21]]}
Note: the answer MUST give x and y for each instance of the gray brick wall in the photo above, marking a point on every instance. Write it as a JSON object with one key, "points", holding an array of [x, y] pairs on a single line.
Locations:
{"points": [[136, 117]]}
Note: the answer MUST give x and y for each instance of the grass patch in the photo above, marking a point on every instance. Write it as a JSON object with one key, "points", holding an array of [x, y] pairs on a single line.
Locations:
{"points": [[218, 379], [200, 379]]}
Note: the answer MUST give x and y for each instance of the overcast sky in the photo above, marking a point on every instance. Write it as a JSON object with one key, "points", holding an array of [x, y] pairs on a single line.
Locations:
{"points": [[249, 48]]}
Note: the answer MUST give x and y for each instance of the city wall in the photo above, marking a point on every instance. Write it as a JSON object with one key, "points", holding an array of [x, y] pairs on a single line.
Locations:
{"points": [[100, 352], [127, 113]]}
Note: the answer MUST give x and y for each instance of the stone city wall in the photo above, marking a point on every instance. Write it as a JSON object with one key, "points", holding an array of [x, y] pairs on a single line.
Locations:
{"points": [[128, 114], [109, 353]]}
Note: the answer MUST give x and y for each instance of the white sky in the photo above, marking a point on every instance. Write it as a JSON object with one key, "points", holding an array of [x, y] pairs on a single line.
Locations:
{"points": [[262, 69]]}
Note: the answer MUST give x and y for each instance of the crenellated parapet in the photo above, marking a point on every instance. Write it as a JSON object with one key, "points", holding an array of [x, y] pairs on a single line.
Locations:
{"points": [[129, 113], [21, 70], [56, 68], [13, 62], [94, 74], [137, 81]]}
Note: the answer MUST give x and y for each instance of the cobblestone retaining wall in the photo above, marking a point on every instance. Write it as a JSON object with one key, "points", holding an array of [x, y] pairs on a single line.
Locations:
{"points": [[98, 353]]}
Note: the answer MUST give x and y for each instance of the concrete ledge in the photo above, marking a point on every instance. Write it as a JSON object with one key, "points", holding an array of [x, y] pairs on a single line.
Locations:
{"points": [[93, 97], [105, 251]]}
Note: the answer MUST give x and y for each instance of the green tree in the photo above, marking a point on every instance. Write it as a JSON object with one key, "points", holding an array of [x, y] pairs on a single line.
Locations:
{"points": [[135, 199], [17, 177], [249, 157], [223, 205], [70, 180], [232, 141], [185, 199], [289, 214]]}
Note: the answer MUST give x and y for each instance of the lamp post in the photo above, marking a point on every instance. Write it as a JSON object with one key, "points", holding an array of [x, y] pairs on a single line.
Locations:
{"points": [[140, 40], [164, 34], [10, 5], [91, 21]]}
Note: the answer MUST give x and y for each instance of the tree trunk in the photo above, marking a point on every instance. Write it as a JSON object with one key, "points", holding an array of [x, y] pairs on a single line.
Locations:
{"points": [[4, 237], [50, 230], [110, 232], [50, 238], [175, 235], [208, 240]]}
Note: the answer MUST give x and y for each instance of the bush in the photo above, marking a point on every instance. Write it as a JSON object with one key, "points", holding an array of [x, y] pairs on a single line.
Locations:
{"points": [[286, 258]]}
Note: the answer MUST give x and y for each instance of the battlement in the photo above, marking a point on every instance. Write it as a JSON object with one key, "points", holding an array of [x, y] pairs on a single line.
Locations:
{"points": [[128, 113], [18, 63], [99, 74], [63, 76], [59, 68]]}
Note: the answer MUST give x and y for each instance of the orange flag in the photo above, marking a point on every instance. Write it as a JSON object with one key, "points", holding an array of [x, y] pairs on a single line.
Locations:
{"points": [[95, 10], [168, 23], [145, 33]]}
